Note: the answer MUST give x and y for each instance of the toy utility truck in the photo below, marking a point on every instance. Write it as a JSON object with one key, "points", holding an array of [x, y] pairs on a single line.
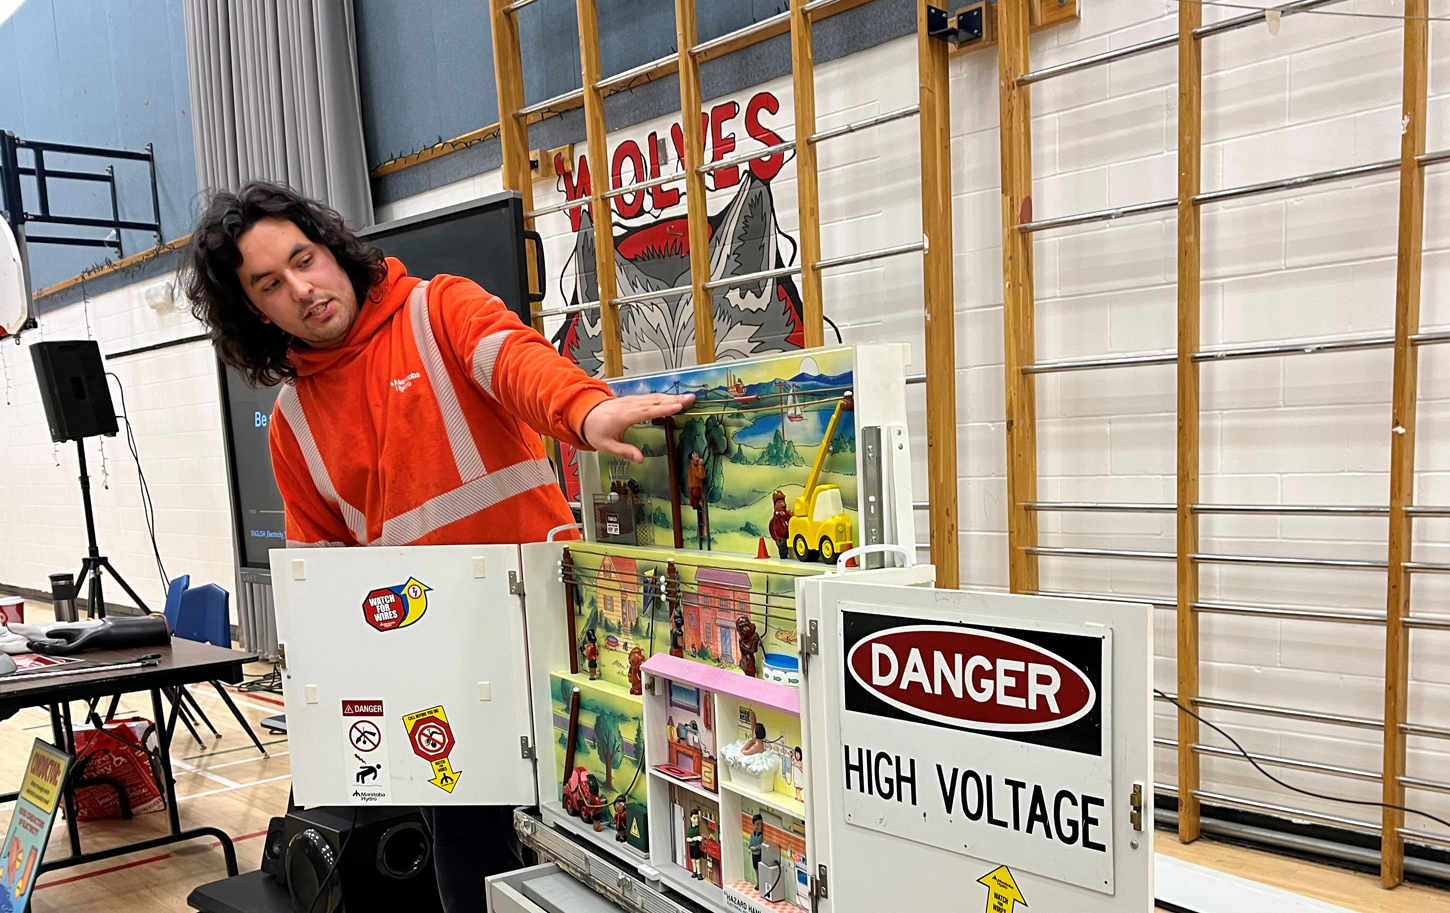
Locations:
{"points": [[819, 526]]}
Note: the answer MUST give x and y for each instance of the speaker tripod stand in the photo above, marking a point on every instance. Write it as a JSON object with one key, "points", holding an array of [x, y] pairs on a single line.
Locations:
{"points": [[94, 562]]}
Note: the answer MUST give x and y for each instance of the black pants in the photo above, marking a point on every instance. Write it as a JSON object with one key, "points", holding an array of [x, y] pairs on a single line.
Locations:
{"points": [[470, 843]]}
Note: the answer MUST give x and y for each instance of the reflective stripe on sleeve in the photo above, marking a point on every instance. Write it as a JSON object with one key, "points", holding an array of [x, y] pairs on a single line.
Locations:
{"points": [[485, 355], [293, 543], [291, 407], [460, 439]]}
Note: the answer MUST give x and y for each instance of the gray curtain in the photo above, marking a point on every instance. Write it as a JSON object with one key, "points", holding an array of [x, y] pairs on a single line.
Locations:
{"points": [[274, 95]]}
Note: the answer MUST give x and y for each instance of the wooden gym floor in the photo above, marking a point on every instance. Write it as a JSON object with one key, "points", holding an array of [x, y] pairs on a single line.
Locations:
{"points": [[227, 784]]}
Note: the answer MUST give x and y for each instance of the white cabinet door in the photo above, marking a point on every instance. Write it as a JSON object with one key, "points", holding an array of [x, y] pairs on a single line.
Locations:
{"points": [[973, 750], [406, 678]]}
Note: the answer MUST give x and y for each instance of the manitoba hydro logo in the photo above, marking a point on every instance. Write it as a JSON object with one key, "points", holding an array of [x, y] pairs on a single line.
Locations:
{"points": [[396, 606], [993, 681]]}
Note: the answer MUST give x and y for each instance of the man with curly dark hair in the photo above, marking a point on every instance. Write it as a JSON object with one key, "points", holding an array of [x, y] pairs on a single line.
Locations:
{"points": [[409, 413]]}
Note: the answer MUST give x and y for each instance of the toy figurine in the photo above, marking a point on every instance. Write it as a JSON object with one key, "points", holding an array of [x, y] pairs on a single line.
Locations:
{"points": [[780, 524], [798, 773], [757, 843], [677, 633], [636, 679], [696, 843], [621, 820], [749, 640], [591, 653], [756, 743], [695, 480]]}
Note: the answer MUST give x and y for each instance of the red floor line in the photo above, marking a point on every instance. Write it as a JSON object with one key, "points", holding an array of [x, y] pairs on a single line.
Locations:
{"points": [[256, 696], [114, 868], [139, 862]]}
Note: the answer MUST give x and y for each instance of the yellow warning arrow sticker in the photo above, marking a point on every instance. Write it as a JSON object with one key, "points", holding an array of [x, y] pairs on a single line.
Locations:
{"points": [[1002, 890], [444, 776]]}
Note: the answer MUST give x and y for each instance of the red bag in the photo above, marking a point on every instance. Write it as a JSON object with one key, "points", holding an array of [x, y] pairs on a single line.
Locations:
{"points": [[117, 772]]}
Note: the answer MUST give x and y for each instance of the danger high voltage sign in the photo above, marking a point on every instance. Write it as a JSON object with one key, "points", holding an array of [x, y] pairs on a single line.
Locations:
{"points": [[983, 740]]}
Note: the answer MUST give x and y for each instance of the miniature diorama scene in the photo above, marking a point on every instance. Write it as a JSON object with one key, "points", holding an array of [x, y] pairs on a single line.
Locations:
{"points": [[764, 462], [599, 750], [627, 604], [695, 835], [776, 876], [690, 736], [764, 760]]}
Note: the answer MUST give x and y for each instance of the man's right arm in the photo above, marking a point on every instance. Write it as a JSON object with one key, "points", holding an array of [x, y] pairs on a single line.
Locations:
{"points": [[311, 521]]}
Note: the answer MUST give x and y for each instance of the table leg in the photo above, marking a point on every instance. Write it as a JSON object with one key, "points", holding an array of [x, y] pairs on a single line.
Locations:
{"points": [[163, 745], [72, 826]]}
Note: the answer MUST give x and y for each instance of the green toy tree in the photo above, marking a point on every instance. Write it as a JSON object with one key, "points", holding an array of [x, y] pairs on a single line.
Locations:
{"points": [[608, 744]]}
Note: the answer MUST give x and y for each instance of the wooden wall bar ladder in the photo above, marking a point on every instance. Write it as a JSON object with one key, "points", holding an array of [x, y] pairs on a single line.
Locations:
{"points": [[935, 246], [1020, 225]]}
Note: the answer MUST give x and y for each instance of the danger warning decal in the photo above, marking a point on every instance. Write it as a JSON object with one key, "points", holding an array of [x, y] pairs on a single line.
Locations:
{"points": [[365, 750], [396, 606], [1026, 685], [432, 740], [934, 715]]}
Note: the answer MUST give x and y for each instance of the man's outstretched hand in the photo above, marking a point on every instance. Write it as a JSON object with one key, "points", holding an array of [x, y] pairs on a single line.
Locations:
{"points": [[606, 423]]}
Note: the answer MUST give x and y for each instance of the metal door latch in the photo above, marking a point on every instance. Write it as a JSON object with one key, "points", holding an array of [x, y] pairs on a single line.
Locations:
{"points": [[1137, 802], [282, 656]]}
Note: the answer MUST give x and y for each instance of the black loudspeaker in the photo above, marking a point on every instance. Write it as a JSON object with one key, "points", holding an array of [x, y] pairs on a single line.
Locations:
{"points": [[73, 389], [274, 851], [386, 860]]}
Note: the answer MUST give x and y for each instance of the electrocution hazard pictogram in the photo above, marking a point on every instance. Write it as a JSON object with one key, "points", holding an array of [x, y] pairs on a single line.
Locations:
{"points": [[432, 740], [366, 752]]}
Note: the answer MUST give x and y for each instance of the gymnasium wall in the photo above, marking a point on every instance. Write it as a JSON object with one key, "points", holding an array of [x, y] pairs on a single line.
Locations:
{"points": [[1309, 429], [1322, 93], [110, 73], [174, 404]]}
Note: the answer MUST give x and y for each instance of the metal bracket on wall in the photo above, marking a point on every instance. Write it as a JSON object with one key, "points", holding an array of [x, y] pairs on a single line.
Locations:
{"points": [[965, 28]]}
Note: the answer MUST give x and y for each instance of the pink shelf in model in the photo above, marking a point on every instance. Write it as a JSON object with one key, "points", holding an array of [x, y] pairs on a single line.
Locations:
{"points": [[749, 690]]}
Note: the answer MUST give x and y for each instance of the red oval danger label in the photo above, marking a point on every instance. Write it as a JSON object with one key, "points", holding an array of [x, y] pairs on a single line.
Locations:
{"points": [[973, 679]]}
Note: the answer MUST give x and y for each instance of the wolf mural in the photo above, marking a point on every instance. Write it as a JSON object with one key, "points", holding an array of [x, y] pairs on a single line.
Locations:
{"points": [[659, 334]]}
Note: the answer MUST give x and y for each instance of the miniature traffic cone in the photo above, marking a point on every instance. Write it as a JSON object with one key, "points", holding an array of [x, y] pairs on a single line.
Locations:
{"points": [[762, 552]]}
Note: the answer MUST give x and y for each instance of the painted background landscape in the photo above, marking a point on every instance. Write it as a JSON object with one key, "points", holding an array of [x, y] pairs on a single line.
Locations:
{"points": [[616, 597], [758, 425]]}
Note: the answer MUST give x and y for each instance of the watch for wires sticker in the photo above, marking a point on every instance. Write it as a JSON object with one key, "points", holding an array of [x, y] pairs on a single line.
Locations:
{"points": [[365, 750], [398, 606], [432, 740], [984, 739]]}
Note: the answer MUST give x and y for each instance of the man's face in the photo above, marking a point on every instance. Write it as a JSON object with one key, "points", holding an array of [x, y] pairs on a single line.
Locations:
{"points": [[295, 283]]}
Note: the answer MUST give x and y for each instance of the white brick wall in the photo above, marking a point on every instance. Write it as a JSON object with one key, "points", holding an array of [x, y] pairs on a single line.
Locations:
{"points": [[174, 403]]}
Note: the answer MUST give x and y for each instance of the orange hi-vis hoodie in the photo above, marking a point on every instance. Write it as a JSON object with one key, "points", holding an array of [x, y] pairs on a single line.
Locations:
{"points": [[422, 427]]}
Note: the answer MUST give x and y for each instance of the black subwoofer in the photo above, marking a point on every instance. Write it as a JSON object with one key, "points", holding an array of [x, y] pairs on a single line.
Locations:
{"points": [[382, 859]]}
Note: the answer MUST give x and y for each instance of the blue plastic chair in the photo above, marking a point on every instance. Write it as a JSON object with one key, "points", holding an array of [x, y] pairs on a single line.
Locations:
{"points": [[203, 617], [173, 599]]}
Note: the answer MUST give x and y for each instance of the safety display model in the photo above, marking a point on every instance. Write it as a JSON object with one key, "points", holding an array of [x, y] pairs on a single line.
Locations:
{"points": [[777, 456]]}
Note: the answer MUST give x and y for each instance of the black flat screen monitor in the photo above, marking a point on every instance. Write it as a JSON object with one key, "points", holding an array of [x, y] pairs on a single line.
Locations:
{"points": [[482, 240]]}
